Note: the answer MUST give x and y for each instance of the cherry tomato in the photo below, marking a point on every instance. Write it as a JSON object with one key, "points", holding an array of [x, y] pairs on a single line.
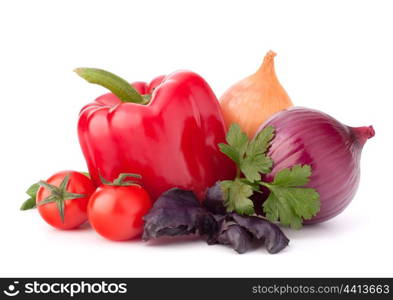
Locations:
{"points": [[116, 211], [62, 199]]}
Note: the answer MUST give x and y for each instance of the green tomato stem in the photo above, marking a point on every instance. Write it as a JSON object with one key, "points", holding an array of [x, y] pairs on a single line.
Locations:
{"points": [[121, 180], [58, 195]]}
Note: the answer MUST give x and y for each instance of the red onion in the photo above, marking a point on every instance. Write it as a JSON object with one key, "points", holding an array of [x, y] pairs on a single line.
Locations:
{"points": [[307, 136]]}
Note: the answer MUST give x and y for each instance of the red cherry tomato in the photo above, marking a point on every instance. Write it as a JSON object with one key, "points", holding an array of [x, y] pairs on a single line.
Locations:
{"points": [[64, 194], [116, 211]]}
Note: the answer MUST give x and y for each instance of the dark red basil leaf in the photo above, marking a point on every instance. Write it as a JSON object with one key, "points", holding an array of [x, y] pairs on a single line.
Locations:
{"points": [[262, 229], [177, 212], [237, 237], [214, 199]]}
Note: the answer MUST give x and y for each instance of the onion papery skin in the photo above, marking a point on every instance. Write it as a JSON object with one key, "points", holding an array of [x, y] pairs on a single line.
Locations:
{"points": [[254, 99], [332, 149]]}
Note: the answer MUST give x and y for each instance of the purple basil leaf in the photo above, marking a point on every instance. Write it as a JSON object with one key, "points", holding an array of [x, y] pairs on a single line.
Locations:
{"points": [[214, 200], [221, 225], [237, 237], [178, 212], [261, 229]]}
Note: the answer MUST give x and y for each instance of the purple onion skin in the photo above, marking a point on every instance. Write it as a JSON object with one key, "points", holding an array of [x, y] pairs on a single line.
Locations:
{"points": [[307, 136]]}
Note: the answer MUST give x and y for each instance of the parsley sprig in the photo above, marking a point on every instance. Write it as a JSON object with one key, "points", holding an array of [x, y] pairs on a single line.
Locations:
{"points": [[289, 202]]}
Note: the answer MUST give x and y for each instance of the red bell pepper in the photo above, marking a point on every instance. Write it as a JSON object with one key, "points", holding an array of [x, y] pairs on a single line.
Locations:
{"points": [[167, 131]]}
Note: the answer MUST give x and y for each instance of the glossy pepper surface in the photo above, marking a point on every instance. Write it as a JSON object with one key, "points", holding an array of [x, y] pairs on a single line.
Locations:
{"points": [[170, 137]]}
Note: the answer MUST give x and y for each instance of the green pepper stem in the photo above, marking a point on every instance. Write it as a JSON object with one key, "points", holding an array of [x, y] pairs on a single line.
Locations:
{"points": [[117, 85]]}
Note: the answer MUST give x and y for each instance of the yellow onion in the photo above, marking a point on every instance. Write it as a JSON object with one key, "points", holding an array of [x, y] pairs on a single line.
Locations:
{"points": [[254, 99]]}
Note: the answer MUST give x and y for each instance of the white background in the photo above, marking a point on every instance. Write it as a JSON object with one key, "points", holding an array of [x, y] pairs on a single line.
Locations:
{"points": [[335, 56]]}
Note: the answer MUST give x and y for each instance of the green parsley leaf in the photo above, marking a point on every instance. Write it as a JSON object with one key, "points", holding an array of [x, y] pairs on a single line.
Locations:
{"points": [[237, 196], [261, 142], [237, 138], [251, 160], [297, 176], [255, 161], [288, 202], [230, 151], [236, 146], [253, 166]]}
